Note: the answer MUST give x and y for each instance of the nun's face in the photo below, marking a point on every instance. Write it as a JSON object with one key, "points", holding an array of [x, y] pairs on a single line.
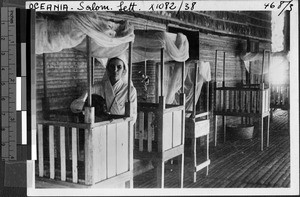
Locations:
{"points": [[115, 70]]}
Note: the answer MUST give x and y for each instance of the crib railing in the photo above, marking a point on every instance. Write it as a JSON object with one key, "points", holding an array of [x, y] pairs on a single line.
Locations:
{"points": [[147, 123], [248, 100], [51, 128], [280, 96], [145, 129], [94, 153]]}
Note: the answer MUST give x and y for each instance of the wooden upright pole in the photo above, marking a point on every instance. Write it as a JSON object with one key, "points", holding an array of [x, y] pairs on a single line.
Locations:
{"points": [[89, 70], [162, 71], [194, 89], [128, 110]]}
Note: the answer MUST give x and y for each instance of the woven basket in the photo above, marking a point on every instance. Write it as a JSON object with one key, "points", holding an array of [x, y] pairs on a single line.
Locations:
{"points": [[240, 131]]}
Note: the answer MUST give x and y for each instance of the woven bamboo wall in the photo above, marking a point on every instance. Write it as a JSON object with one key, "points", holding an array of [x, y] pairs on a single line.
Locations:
{"points": [[66, 77]]}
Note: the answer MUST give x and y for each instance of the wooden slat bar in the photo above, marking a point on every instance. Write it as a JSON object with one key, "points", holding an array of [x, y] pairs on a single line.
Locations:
{"points": [[115, 120], [202, 114], [252, 104], [207, 151], [160, 174], [177, 128], [51, 151], [111, 150], [224, 127], [88, 157], [225, 100], [62, 154], [217, 93], [150, 131], [171, 153], [202, 165], [240, 100], [65, 124], [235, 101], [74, 155], [238, 88], [167, 134], [100, 153], [216, 129], [41, 150], [230, 100], [173, 109], [249, 95], [284, 95], [122, 147], [194, 148], [141, 131]]}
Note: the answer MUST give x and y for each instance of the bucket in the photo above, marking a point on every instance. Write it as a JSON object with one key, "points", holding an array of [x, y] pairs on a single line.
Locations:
{"points": [[240, 131]]}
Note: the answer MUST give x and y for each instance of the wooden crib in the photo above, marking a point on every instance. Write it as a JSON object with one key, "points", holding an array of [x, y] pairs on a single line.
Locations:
{"points": [[87, 153], [165, 128], [246, 101], [280, 97], [198, 126], [105, 161]]}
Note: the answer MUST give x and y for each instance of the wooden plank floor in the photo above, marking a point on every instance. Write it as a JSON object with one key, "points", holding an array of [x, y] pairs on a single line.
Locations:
{"points": [[238, 164]]}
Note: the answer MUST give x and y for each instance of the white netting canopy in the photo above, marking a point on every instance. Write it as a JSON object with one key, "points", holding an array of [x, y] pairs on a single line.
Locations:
{"points": [[147, 45], [108, 38], [173, 85], [278, 60]]}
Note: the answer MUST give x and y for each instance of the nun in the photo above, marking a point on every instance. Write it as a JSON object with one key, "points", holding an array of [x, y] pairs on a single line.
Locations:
{"points": [[113, 89]]}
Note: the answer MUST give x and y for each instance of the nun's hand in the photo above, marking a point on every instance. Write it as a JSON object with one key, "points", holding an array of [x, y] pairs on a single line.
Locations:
{"points": [[77, 105]]}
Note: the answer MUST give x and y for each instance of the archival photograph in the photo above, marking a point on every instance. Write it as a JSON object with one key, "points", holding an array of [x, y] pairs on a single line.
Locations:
{"points": [[167, 97]]}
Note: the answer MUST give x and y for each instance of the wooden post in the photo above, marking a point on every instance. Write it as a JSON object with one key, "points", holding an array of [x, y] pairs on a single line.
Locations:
{"points": [[268, 130], [224, 54], [261, 132], [89, 117], [93, 70], [224, 97], [224, 127], [89, 72], [46, 103], [261, 115], [130, 151], [215, 98], [182, 102], [157, 79], [128, 110], [183, 77], [223, 85], [207, 96], [194, 89], [263, 65], [162, 71]]}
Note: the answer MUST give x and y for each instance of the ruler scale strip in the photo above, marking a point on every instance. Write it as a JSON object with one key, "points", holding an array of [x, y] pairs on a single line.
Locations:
{"points": [[8, 83]]}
